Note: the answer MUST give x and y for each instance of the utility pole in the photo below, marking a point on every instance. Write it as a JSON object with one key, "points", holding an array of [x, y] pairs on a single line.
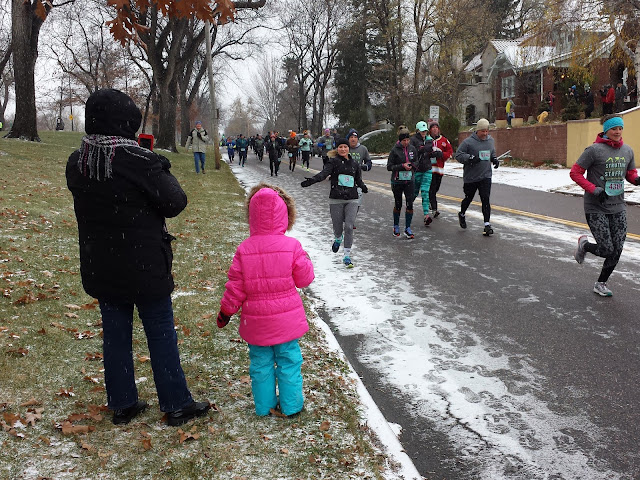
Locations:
{"points": [[215, 117]]}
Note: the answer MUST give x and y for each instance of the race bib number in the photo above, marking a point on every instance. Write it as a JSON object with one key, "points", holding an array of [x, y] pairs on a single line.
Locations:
{"points": [[614, 187], [407, 175], [290, 155], [242, 149], [484, 155], [345, 180]]}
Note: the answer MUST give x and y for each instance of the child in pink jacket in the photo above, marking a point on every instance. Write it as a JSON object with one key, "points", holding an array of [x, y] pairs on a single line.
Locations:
{"points": [[266, 271]]}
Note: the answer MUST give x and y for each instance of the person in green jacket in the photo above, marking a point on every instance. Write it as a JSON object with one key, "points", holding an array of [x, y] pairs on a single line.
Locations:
{"points": [[305, 147]]}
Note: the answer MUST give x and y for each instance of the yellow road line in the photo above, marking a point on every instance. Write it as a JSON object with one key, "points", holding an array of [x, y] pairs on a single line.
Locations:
{"points": [[537, 216]]}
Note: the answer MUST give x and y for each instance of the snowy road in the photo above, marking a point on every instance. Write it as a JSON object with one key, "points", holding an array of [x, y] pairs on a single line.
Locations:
{"points": [[492, 353]]}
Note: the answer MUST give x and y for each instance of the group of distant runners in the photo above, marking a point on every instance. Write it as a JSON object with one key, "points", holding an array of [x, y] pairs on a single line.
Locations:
{"points": [[416, 162]]}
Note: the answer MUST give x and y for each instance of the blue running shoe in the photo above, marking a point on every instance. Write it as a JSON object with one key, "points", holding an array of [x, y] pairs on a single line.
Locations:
{"points": [[408, 233], [347, 262], [396, 230]]}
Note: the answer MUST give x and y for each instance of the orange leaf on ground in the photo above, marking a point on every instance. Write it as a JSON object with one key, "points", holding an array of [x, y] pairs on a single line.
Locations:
{"points": [[30, 403], [66, 392], [143, 358], [324, 426], [69, 429]]}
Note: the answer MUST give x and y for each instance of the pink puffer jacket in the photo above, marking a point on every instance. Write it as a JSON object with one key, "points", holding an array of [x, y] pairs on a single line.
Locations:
{"points": [[264, 274]]}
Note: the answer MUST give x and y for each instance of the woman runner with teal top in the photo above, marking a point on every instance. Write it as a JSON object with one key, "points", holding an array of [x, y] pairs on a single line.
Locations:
{"points": [[346, 176]]}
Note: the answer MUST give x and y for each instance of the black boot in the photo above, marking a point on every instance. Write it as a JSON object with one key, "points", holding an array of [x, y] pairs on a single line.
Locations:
{"points": [[125, 415], [183, 415]]}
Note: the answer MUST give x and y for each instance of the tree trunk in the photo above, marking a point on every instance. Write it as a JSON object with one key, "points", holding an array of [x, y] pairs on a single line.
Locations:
{"points": [[185, 110], [24, 33], [167, 116]]}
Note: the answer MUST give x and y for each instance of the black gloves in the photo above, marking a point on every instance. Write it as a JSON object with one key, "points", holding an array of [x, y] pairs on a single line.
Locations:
{"points": [[365, 189], [306, 182], [472, 160], [223, 319], [496, 162], [600, 194]]}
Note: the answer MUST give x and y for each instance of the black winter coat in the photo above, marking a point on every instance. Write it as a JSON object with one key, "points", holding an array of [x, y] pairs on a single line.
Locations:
{"points": [[397, 158], [346, 175], [125, 249], [424, 148]]}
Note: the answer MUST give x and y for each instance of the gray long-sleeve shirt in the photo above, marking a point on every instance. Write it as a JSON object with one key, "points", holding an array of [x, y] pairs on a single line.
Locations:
{"points": [[482, 150]]}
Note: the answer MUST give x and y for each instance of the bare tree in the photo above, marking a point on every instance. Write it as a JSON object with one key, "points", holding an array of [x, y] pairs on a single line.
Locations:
{"points": [[268, 85], [6, 74]]}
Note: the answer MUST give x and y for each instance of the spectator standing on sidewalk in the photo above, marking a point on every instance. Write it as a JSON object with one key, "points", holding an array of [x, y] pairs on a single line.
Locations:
{"points": [[437, 164], [477, 153], [511, 113], [197, 140], [607, 163], [121, 196]]}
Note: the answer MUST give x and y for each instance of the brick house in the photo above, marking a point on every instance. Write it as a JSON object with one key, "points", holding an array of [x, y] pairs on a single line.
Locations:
{"points": [[526, 72]]}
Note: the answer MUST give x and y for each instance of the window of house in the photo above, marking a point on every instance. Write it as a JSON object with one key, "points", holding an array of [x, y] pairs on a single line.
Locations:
{"points": [[509, 87]]}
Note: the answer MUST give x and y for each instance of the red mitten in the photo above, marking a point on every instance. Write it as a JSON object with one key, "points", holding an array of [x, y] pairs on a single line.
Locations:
{"points": [[223, 319]]}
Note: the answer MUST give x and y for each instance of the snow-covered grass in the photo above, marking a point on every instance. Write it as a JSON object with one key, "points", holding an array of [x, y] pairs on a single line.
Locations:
{"points": [[52, 397]]}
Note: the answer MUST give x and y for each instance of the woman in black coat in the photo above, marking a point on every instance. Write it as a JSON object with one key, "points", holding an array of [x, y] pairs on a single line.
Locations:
{"points": [[122, 194]]}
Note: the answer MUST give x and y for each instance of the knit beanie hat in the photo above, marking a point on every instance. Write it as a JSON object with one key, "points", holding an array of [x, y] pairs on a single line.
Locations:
{"points": [[403, 132], [483, 124], [433, 123], [341, 141], [293, 134], [353, 131], [113, 113]]}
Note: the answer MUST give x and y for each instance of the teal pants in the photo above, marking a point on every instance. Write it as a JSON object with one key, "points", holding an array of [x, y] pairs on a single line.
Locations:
{"points": [[423, 184], [283, 363]]}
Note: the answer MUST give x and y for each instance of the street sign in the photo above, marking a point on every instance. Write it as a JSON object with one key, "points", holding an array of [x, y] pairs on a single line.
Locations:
{"points": [[434, 112]]}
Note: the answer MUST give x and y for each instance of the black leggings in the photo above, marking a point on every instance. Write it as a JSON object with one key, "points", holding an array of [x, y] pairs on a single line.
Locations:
{"points": [[484, 188], [610, 232], [436, 180], [398, 189], [305, 158]]}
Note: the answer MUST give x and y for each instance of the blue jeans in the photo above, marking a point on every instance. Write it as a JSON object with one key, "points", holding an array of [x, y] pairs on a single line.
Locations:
{"points": [[282, 362], [198, 158], [117, 348]]}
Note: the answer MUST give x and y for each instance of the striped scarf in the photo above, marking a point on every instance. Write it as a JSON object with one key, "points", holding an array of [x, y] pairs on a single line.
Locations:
{"points": [[97, 152]]}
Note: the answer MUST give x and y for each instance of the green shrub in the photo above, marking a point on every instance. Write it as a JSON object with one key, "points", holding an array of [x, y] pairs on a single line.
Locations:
{"points": [[382, 142], [449, 127], [572, 110]]}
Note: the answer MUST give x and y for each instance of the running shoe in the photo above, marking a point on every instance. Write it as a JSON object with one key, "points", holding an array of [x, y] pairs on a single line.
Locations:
{"points": [[427, 220], [462, 220], [580, 252], [408, 233], [436, 214], [396, 230], [336, 245], [601, 289], [347, 262], [487, 230]]}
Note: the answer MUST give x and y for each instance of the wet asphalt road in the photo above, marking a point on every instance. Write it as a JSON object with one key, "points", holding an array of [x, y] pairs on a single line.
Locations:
{"points": [[519, 296]]}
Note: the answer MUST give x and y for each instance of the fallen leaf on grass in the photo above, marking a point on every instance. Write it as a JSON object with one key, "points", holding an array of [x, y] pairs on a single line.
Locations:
{"points": [[324, 426], [93, 356], [71, 315], [33, 415], [72, 306], [277, 413], [190, 435], [146, 440], [12, 420], [284, 450], [92, 379], [245, 379], [143, 358], [66, 392], [87, 447], [69, 429], [19, 352], [31, 403]]}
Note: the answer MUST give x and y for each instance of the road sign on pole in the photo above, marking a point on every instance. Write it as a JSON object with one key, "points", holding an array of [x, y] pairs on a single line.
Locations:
{"points": [[434, 112]]}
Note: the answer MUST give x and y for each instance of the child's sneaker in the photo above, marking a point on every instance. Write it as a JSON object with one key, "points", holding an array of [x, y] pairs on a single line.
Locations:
{"points": [[408, 233], [461, 219], [396, 230], [601, 289], [347, 262], [580, 251]]}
